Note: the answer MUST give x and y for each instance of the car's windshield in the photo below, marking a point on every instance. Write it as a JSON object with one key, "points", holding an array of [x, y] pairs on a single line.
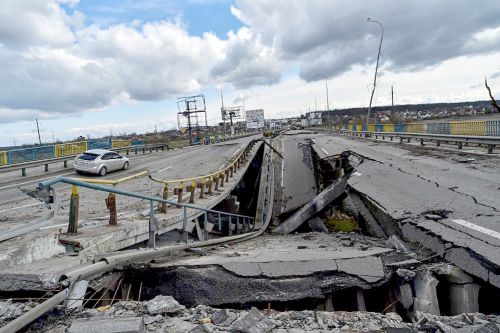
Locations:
{"points": [[88, 156]]}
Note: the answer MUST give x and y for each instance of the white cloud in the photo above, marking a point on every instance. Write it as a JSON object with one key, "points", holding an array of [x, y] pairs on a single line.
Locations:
{"points": [[52, 65]]}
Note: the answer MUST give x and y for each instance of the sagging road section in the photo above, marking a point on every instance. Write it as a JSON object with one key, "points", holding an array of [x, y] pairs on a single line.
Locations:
{"points": [[445, 201]]}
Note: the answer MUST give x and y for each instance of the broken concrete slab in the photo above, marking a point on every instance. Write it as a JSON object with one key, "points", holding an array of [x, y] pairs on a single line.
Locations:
{"points": [[313, 207], [163, 304], [253, 322], [108, 325], [77, 294]]}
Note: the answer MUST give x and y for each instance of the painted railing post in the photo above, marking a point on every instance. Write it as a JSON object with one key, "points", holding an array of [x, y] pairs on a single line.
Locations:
{"points": [[153, 226], [73, 210], [162, 206]]}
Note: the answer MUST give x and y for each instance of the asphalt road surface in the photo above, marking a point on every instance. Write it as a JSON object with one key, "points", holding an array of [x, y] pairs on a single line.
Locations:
{"points": [[188, 162]]}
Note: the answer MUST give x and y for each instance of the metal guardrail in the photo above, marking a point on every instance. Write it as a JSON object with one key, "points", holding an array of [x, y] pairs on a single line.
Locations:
{"points": [[470, 127], [215, 179], [246, 221], [34, 163], [491, 142]]}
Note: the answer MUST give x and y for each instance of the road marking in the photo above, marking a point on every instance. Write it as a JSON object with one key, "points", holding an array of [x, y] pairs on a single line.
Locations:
{"points": [[14, 208], [34, 181], [357, 174], [324, 151], [166, 168], [476, 227]]}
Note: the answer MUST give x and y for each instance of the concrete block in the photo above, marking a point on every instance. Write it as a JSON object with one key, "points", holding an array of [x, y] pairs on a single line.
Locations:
{"points": [[405, 295], [77, 294], [464, 298], [163, 304], [254, 322], [108, 325], [426, 299]]}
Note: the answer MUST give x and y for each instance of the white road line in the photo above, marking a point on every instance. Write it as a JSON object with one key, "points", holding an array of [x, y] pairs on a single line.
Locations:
{"points": [[14, 208], [324, 151], [476, 227], [34, 181], [161, 170]]}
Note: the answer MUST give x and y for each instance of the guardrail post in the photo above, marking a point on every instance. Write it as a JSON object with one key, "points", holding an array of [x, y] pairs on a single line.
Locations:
{"points": [[191, 189], [459, 145], [65, 164], [209, 184], [237, 222], [490, 149], [23, 172], [438, 143], [221, 177], [74, 204], [392, 138], [111, 205], [144, 150], [408, 139], [162, 206], [227, 175], [126, 152], [401, 140], [230, 227], [201, 186], [153, 226], [156, 148], [219, 221], [422, 142], [46, 167], [178, 193], [135, 151], [231, 171]]}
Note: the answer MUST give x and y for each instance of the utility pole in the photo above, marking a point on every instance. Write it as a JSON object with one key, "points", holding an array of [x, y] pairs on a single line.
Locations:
{"points": [[53, 137], [376, 69], [327, 102], [38, 130], [222, 109], [392, 100]]}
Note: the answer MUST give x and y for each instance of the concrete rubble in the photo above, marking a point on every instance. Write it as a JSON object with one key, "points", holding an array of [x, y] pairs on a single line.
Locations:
{"points": [[136, 317]]}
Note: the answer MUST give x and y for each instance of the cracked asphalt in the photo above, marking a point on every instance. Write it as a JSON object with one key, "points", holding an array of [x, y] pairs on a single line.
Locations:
{"points": [[410, 184]]}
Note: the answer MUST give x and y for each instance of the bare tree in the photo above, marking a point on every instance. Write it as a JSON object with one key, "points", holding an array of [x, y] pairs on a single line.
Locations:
{"points": [[493, 101]]}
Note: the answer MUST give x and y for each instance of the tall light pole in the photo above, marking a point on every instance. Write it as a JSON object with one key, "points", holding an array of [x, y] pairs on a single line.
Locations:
{"points": [[376, 68], [327, 101]]}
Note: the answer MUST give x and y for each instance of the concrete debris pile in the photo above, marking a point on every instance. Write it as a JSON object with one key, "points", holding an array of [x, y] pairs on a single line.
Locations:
{"points": [[10, 310], [137, 317]]}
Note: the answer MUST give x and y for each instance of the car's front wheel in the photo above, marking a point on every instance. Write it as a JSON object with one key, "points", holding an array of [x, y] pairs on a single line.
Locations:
{"points": [[125, 166], [103, 171]]}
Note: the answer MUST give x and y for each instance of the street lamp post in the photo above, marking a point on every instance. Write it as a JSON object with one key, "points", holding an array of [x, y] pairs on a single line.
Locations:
{"points": [[327, 102], [376, 69]]}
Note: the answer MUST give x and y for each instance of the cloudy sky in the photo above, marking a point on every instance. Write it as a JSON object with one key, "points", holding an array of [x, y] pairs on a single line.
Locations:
{"points": [[89, 67]]}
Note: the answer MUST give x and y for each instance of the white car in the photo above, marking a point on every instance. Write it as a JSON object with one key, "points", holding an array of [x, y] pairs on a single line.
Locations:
{"points": [[100, 161]]}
